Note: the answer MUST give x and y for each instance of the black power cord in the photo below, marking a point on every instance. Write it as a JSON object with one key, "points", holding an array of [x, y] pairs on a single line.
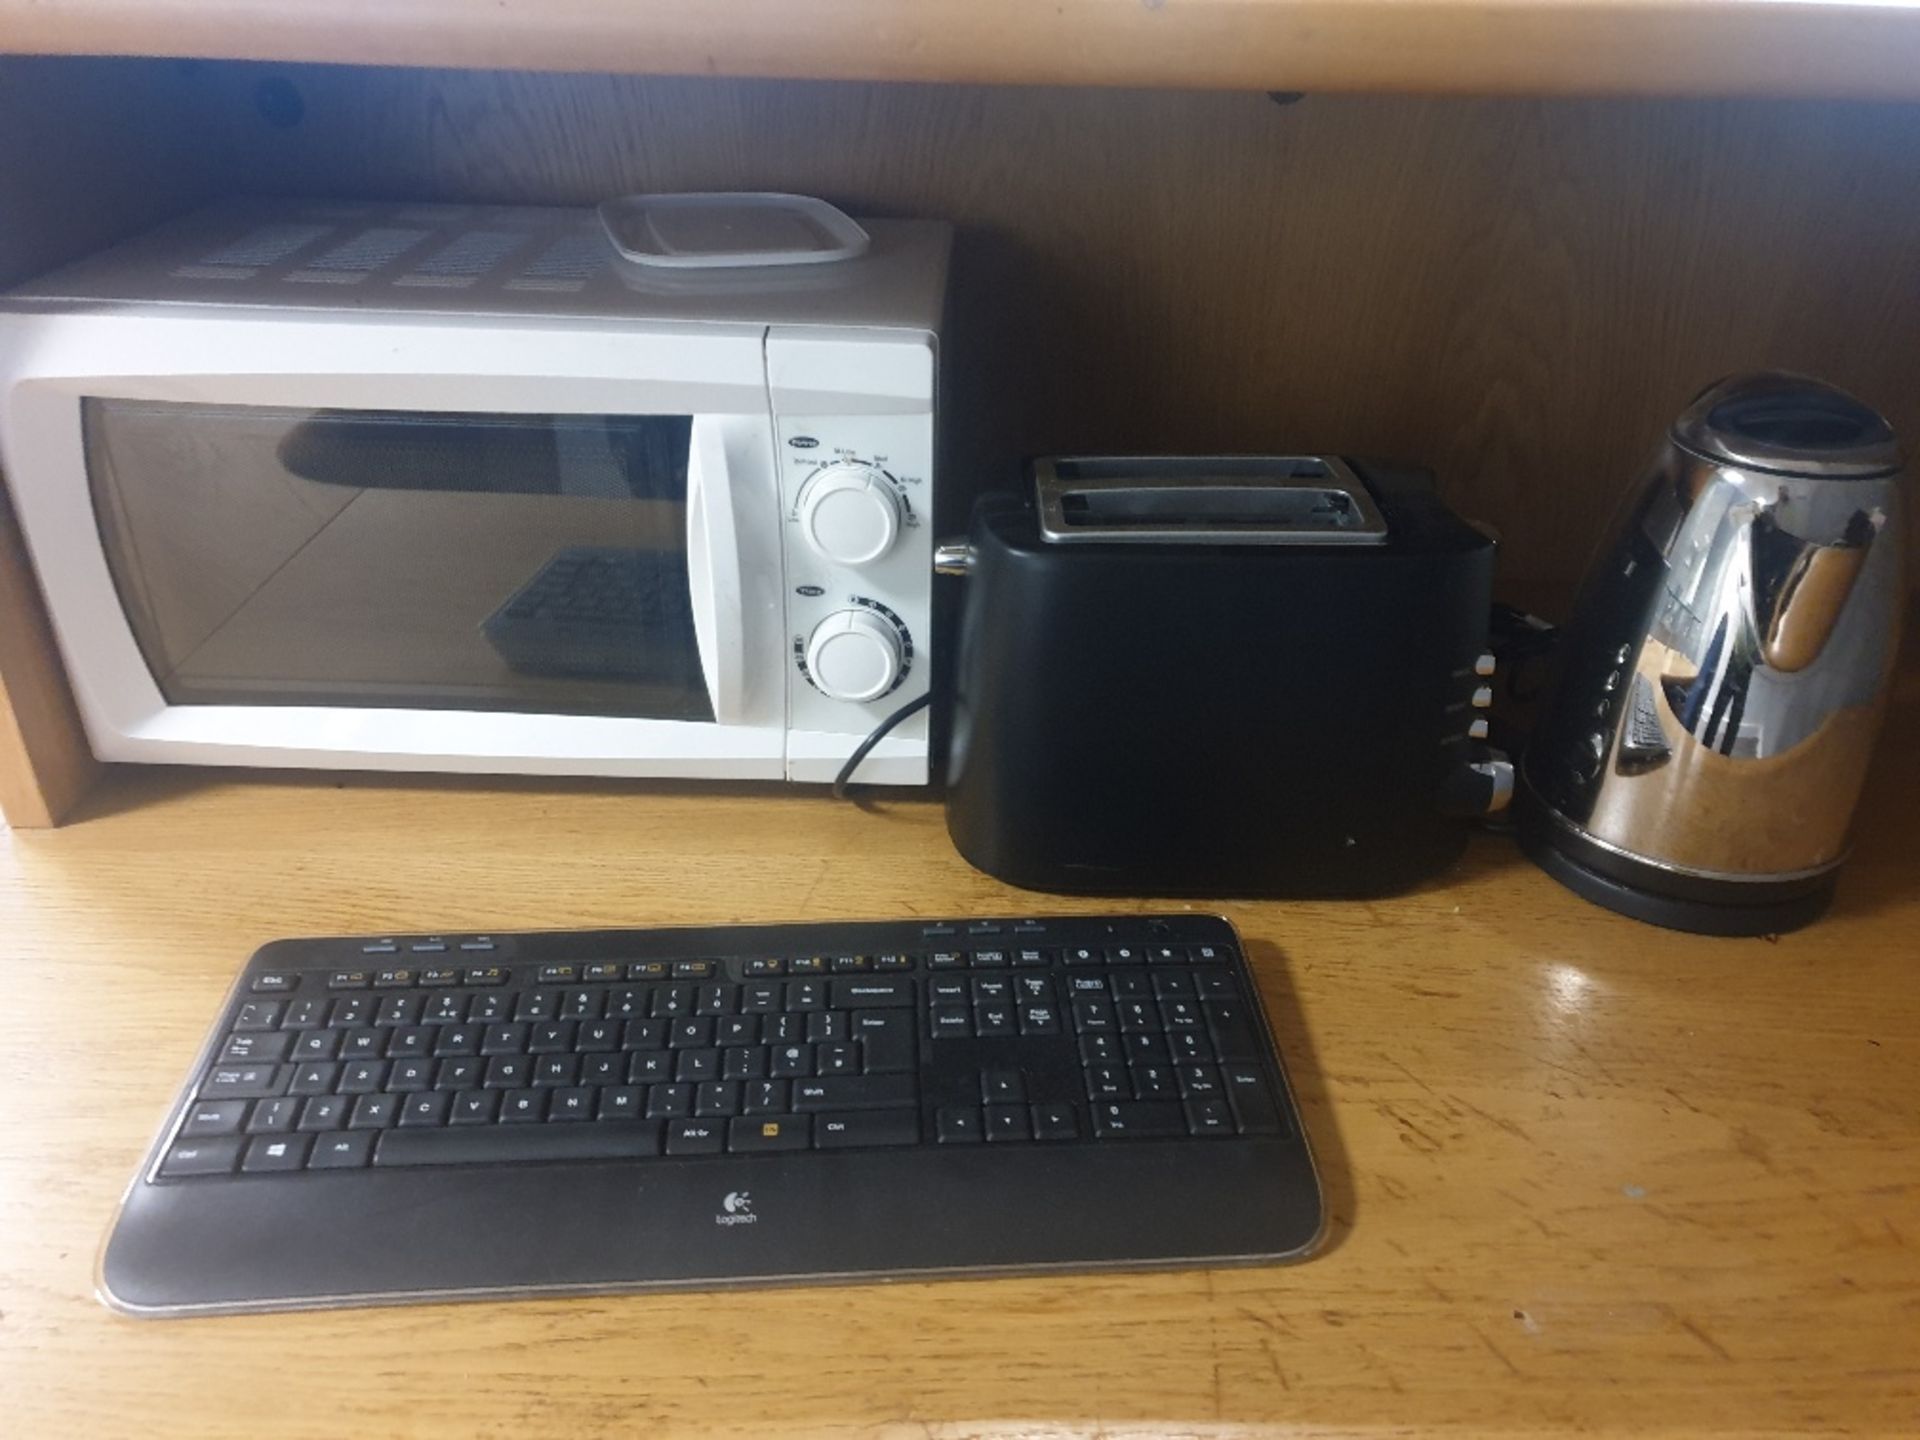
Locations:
{"points": [[880, 732]]}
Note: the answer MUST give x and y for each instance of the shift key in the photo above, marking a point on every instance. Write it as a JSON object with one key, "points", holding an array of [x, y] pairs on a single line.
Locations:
{"points": [[856, 1092]]}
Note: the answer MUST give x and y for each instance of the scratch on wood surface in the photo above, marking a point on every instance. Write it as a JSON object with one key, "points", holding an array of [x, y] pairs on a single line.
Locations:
{"points": [[1494, 1120], [1273, 1363], [1494, 1350], [1697, 1332]]}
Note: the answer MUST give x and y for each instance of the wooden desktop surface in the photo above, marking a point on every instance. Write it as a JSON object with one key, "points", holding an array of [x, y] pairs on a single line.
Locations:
{"points": [[1585, 1176]]}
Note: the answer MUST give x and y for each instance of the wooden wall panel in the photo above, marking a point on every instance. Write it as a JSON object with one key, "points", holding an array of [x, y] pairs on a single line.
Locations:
{"points": [[90, 151], [1519, 293]]}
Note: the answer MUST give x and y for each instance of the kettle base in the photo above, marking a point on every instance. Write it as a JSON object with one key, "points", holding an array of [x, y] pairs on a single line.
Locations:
{"points": [[1645, 892]]}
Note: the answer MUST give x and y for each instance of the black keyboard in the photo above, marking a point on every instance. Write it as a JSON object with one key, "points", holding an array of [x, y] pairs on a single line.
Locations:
{"points": [[429, 1117]]}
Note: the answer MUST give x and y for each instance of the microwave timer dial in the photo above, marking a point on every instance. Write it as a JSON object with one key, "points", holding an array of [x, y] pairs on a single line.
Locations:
{"points": [[849, 513], [858, 654]]}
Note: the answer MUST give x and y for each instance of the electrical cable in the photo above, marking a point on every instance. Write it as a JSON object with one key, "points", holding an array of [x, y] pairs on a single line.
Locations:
{"points": [[880, 732]]}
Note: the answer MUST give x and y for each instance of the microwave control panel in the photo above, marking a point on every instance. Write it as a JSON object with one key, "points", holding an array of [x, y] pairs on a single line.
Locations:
{"points": [[856, 501]]}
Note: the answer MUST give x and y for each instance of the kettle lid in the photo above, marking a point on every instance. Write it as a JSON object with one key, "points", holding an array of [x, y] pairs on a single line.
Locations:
{"points": [[1788, 424]]}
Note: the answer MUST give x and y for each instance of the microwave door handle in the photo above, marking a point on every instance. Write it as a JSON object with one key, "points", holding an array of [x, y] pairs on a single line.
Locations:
{"points": [[713, 571]]}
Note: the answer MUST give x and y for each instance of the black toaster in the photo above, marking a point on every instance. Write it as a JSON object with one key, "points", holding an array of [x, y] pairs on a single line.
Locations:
{"points": [[1248, 676]]}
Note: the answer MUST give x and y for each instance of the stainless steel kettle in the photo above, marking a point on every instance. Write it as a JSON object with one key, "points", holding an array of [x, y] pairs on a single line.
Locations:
{"points": [[1724, 675]]}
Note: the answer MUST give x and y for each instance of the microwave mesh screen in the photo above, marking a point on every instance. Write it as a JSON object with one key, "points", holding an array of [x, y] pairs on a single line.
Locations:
{"points": [[532, 563]]}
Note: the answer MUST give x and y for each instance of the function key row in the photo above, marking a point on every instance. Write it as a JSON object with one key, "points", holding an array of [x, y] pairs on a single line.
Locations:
{"points": [[286, 982]]}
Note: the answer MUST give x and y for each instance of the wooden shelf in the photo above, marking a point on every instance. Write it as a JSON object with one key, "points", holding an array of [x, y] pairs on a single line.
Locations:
{"points": [[1482, 46]]}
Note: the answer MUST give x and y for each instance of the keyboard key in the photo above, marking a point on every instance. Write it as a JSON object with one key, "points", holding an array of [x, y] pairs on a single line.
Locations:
{"points": [[1253, 1106], [693, 969], [258, 1015], [206, 1119], [316, 1045], [849, 964], [669, 1102], [749, 1134], [1146, 1049], [1200, 1082], [743, 1062], [856, 1128], [429, 1108], [992, 989], [789, 1061], [304, 1014], [275, 982], [363, 1077], [1166, 954], [1082, 955], [946, 960], [449, 1007], [644, 1035], [1028, 955], [649, 1067], [486, 974], [690, 1034], [408, 1041], [459, 1074], [758, 967], [1109, 1082], [993, 1021], [766, 1097], [991, 959], [622, 1102], [583, 1004], [1214, 984], [574, 1103], [1154, 1082], [886, 1040], [458, 1040], [550, 1071], [893, 962], [806, 994], [855, 1092], [537, 1005], [273, 1154], [697, 1065], [649, 970], [363, 1043], [398, 1010], [603, 1069], [1100, 1049], [490, 1008], [807, 965], [606, 970], [716, 1098], [1209, 1117], [627, 1003], [1039, 1020], [695, 1137], [673, 1002], [505, 1145], [439, 976], [474, 1107], [837, 1060], [958, 1124], [1138, 1119], [351, 1011], [1231, 1030], [558, 974], [374, 1112], [410, 1075], [552, 1038], [1002, 1087], [349, 1151], [1093, 1014], [274, 1117], [1055, 1122], [245, 1082], [714, 1000], [521, 1107], [396, 978], [323, 1112], [873, 994], [1007, 1122], [349, 979], [255, 1046], [826, 1026], [202, 1158]]}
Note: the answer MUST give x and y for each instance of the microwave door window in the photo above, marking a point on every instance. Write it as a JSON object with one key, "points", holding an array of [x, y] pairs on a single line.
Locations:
{"points": [[530, 563]]}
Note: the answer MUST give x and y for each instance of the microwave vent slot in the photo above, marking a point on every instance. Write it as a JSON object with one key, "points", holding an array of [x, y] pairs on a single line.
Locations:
{"points": [[242, 258], [567, 264], [1233, 500], [472, 255], [351, 261]]}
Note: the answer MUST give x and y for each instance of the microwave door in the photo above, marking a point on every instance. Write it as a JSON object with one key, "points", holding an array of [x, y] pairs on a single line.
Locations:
{"points": [[734, 563]]}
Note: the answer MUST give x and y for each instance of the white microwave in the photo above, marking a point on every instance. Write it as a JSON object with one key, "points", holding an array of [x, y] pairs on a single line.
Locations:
{"points": [[454, 488]]}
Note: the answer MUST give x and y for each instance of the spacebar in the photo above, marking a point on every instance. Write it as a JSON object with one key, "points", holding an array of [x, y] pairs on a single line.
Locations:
{"points": [[506, 1144]]}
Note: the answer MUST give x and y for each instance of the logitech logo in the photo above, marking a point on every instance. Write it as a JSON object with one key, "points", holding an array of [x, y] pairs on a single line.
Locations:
{"points": [[736, 1209]]}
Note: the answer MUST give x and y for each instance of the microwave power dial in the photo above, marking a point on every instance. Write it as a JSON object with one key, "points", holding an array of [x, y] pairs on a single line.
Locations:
{"points": [[849, 513], [854, 655]]}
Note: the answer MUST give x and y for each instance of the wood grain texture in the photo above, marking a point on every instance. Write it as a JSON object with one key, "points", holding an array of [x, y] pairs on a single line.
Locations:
{"points": [[1520, 294], [1586, 1176], [1530, 46]]}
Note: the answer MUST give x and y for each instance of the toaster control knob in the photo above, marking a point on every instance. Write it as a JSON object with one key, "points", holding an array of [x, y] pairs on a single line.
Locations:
{"points": [[849, 513], [854, 655]]}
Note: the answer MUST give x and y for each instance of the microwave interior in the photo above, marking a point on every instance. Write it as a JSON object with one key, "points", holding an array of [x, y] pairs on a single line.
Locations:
{"points": [[509, 562]]}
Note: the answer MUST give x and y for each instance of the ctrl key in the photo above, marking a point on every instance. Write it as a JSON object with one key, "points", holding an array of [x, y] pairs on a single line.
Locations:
{"points": [[200, 1157]]}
